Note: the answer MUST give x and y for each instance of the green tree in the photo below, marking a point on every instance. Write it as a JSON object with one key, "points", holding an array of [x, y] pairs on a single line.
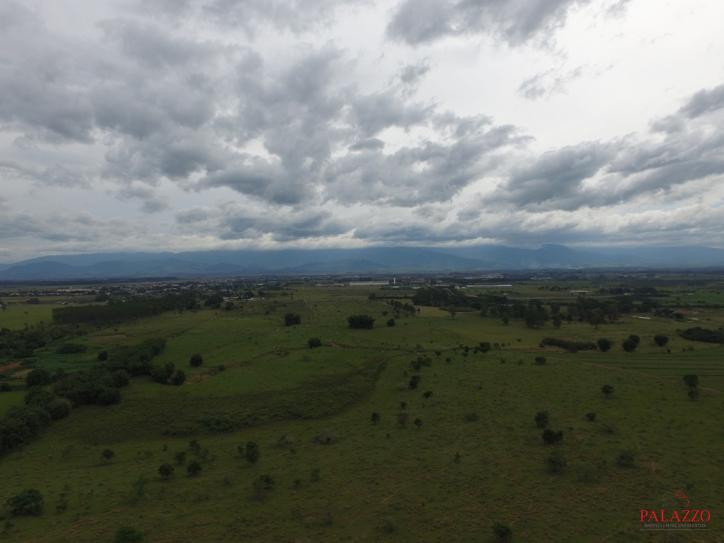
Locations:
{"points": [[28, 503], [166, 471], [196, 360]]}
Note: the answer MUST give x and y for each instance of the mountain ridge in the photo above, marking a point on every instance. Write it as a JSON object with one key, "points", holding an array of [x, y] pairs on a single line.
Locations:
{"points": [[295, 262]]}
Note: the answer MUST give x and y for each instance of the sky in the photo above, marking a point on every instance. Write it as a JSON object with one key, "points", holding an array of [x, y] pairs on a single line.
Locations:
{"points": [[174, 125]]}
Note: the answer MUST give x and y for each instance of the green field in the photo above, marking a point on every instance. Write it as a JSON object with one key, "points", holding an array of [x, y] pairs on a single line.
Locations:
{"points": [[475, 459]]}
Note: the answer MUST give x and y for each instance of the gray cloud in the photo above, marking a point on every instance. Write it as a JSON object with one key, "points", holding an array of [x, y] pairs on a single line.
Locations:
{"points": [[514, 21]]}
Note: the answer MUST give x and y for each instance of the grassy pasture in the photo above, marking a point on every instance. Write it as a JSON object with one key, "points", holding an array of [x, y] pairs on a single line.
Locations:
{"points": [[448, 480]]}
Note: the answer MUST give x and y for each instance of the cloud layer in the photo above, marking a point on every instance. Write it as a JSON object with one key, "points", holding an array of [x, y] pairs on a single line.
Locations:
{"points": [[205, 123]]}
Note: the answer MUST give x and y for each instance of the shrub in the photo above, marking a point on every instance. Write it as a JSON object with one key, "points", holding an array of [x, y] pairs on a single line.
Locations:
{"points": [[702, 334], [252, 452], [541, 419], [108, 396], [568, 345], [471, 417], [166, 471], [107, 455], [540, 360], [661, 340], [314, 342], [556, 462], [591, 417], [193, 469], [693, 394], [629, 345], [291, 319], [37, 377], [427, 394], [626, 458], [102, 356], [691, 380], [414, 381], [196, 360], [604, 344], [59, 408], [261, 486], [128, 535], [120, 378], [71, 348], [177, 378], [551, 437], [375, 418], [361, 322], [28, 503], [502, 533], [607, 390], [391, 323], [418, 423]]}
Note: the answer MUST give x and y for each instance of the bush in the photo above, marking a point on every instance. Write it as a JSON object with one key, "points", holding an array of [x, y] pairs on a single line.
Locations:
{"points": [[661, 340], [414, 381], [607, 390], [591, 417], [165, 471], [556, 462], [691, 380], [108, 396], [540, 360], [290, 319], [541, 419], [361, 322], [375, 418], [128, 535], [196, 360], [391, 323], [261, 486], [702, 334], [314, 342], [604, 344], [37, 377], [71, 348], [626, 458], [28, 503], [570, 346], [193, 468], [107, 455], [120, 378], [551, 437], [629, 345], [177, 378], [59, 408], [102, 356], [693, 394], [502, 533], [252, 453]]}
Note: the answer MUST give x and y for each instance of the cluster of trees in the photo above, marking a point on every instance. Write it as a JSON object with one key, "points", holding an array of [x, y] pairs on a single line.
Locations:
{"points": [[292, 319], [692, 382], [22, 343], [568, 345], [121, 311], [362, 322], [402, 309], [703, 334], [631, 343], [23, 423], [168, 375]]}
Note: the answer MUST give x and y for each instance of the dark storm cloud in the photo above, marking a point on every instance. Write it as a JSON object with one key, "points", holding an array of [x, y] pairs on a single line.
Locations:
{"points": [[513, 21]]}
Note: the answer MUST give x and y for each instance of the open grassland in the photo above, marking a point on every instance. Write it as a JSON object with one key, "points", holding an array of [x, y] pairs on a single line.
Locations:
{"points": [[475, 458]]}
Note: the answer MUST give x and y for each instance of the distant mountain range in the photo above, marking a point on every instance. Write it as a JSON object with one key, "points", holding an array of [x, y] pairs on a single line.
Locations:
{"points": [[296, 262]]}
